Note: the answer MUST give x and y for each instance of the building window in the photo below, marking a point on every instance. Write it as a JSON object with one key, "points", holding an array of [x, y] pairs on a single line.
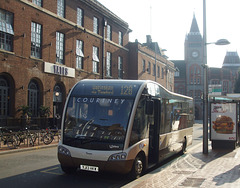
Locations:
{"points": [[109, 32], [162, 73], [79, 54], [109, 64], [154, 69], [215, 82], [33, 98], [36, 40], [143, 65], [177, 72], [225, 86], [96, 25], [37, 2], [61, 8], [120, 38], [120, 67], [80, 17], [95, 59], [6, 30], [149, 68], [158, 71], [60, 48], [4, 100]]}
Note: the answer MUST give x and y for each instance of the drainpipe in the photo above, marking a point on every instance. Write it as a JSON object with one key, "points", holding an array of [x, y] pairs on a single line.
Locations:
{"points": [[103, 47]]}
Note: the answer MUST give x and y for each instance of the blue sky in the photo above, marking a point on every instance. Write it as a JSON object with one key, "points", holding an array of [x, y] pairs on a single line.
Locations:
{"points": [[169, 21]]}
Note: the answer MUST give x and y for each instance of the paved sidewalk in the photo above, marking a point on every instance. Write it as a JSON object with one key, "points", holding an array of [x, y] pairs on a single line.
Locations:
{"points": [[23, 147], [219, 168]]}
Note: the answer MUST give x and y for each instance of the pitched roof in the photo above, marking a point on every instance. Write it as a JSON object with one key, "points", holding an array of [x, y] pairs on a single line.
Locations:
{"points": [[231, 60]]}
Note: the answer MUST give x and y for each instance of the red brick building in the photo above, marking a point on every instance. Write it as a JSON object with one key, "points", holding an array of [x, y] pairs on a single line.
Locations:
{"points": [[147, 61], [46, 46]]}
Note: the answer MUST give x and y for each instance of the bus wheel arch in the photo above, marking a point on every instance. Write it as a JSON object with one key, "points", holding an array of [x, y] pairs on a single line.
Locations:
{"points": [[139, 166]]}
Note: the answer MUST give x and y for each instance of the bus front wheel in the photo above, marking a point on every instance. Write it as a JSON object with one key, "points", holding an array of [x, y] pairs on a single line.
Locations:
{"points": [[137, 168], [68, 170]]}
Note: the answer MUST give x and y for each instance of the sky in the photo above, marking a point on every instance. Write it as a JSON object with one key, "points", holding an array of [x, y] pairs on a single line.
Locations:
{"points": [[168, 22]]}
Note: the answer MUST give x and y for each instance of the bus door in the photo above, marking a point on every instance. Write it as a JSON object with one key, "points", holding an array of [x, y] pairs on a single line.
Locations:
{"points": [[154, 129]]}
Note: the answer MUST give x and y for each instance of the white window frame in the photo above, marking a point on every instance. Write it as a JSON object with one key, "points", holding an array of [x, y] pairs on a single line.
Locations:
{"points": [[149, 68], [143, 65], [36, 40], [60, 47], [80, 16], [120, 67], [6, 30], [95, 25], [109, 32], [37, 2], [120, 38], [95, 60], [79, 54], [109, 64], [61, 8]]}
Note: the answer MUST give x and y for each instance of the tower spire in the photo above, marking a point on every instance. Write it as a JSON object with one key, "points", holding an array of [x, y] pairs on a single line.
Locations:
{"points": [[194, 27]]}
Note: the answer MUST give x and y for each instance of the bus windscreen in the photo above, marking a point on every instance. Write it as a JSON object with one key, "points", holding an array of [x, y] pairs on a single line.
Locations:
{"points": [[96, 123]]}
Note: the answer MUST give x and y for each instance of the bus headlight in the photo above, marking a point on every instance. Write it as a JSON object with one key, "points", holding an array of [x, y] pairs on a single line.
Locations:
{"points": [[118, 156], [63, 151]]}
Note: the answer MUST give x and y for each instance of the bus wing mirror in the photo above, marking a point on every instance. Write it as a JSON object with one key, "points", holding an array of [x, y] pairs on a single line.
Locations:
{"points": [[149, 107]]}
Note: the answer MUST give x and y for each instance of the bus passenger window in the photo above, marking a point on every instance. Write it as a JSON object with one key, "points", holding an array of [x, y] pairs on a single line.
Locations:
{"points": [[139, 128]]}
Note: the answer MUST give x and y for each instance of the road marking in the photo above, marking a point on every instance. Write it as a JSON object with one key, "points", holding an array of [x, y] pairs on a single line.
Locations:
{"points": [[48, 171]]}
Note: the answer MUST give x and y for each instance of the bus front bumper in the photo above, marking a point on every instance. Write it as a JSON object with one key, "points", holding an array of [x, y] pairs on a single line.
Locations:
{"points": [[118, 166]]}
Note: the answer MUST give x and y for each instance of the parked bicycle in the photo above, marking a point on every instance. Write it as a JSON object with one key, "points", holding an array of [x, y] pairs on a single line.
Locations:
{"points": [[50, 135], [8, 138], [26, 135]]}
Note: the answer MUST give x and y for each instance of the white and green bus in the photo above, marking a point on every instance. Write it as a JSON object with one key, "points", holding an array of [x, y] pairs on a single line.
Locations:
{"points": [[123, 126]]}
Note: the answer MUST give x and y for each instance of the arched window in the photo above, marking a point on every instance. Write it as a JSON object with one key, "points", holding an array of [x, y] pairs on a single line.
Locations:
{"points": [[4, 102], [33, 97]]}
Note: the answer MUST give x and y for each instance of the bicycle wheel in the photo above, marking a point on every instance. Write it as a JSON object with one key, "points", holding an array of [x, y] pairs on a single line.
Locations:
{"points": [[34, 136], [12, 141], [47, 138]]}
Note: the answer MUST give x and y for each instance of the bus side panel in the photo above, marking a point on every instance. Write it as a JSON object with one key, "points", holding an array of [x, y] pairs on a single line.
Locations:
{"points": [[172, 143]]}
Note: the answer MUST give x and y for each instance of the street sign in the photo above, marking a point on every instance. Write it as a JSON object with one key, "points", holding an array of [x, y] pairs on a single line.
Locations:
{"points": [[215, 90]]}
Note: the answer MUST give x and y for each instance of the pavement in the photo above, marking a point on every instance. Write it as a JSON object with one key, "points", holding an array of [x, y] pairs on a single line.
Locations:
{"points": [[219, 168]]}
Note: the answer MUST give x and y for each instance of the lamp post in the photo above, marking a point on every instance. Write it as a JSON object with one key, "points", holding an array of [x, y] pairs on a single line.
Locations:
{"points": [[205, 82], [205, 88]]}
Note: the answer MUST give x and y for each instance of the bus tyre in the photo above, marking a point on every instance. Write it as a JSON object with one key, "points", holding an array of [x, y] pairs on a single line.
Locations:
{"points": [[137, 168], [68, 170]]}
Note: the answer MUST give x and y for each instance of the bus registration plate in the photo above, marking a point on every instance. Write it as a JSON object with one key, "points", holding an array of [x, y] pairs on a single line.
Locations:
{"points": [[89, 168]]}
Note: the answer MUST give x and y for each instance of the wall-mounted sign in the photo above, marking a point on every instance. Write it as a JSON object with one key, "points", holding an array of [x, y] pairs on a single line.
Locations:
{"points": [[215, 90], [59, 70], [223, 121]]}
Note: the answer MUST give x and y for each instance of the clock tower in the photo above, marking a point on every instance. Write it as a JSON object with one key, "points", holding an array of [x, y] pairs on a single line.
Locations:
{"points": [[194, 70]]}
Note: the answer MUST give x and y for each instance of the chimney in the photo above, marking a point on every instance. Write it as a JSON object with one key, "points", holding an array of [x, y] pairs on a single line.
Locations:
{"points": [[149, 39]]}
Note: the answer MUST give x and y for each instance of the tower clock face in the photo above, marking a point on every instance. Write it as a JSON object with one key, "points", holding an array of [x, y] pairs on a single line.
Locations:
{"points": [[195, 54]]}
